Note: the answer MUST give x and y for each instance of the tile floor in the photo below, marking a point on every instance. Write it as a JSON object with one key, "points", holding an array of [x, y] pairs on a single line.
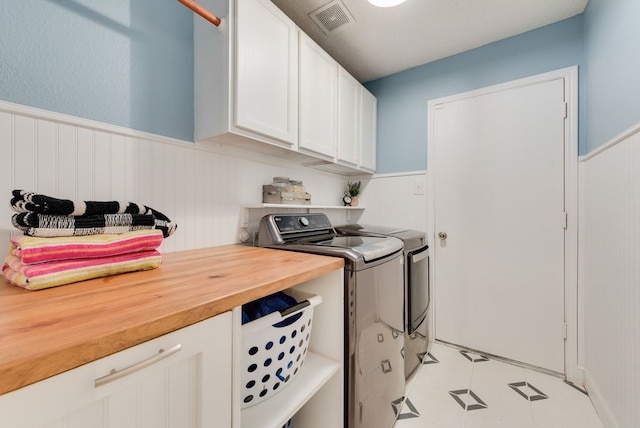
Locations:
{"points": [[461, 389]]}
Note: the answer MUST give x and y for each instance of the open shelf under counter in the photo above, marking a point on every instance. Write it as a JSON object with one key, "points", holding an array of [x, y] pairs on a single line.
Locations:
{"points": [[277, 410]]}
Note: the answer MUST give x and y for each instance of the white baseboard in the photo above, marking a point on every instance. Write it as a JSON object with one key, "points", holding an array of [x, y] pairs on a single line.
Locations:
{"points": [[605, 415]]}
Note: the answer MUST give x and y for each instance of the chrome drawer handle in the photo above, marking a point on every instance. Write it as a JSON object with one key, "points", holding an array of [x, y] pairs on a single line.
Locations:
{"points": [[118, 374]]}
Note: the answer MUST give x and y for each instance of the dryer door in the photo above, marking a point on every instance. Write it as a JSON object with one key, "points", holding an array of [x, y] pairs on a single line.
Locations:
{"points": [[417, 287]]}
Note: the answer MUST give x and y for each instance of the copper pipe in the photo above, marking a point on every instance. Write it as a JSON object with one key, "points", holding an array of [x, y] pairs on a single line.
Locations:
{"points": [[201, 11]]}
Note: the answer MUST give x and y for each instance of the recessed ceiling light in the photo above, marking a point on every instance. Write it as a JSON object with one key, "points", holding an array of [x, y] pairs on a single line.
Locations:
{"points": [[386, 3]]}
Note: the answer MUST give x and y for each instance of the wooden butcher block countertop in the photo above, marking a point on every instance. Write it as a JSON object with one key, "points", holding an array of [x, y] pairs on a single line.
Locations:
{"points": [[46, 332]]}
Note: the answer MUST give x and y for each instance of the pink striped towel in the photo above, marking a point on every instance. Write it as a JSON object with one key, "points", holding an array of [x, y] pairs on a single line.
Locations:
{"points": [[53, 274], [33, 250]]}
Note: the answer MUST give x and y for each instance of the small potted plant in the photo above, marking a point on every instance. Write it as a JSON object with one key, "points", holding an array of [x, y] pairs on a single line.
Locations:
{"points": [[351, 195]]}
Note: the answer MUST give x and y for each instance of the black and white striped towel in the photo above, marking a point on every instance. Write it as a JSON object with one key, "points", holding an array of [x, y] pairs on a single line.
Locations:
{"points": [[48, 226], [75, 218]]}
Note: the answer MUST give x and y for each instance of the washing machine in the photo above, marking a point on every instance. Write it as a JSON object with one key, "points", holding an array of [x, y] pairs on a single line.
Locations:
{"points": [[374, 379], [416, 286]]}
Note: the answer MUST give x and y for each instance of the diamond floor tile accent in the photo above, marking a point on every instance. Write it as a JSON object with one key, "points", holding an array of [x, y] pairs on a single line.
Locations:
{"points": [[453, 392], [429, 359], [525, 388], [410, 411], [473, 357], [468, 399]]}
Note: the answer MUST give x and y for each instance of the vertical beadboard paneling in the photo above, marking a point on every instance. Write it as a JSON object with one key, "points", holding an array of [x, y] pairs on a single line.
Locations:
{"points": [[390, 201], [67, 162], [6, 180], [610, 273], [84, 167], [24, 156], [117, 167], [200, 187], [47, 149], [179, 202], [101, 166], [208, 193]]}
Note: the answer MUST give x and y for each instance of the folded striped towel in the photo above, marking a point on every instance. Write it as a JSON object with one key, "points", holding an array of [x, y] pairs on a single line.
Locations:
{"points": [[30, 202], [46, 226], [32, 250], [53, 274]]}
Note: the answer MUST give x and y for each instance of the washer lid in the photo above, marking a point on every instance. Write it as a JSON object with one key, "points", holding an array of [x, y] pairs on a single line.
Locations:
{"points": [[371, 229], [412, 238], [369, 247]]}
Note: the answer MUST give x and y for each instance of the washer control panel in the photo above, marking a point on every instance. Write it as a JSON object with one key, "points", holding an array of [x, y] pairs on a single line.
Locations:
{"points": [[287, 223]]}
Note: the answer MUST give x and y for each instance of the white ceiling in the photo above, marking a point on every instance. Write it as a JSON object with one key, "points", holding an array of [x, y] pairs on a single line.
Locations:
{"points": [[384, 41]]}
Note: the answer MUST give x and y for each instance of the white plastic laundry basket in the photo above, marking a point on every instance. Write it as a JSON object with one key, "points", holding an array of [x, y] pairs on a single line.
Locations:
{"points": [[272, 355]]}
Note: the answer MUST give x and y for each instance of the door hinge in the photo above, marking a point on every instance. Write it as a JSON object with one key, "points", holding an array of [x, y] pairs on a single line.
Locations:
{"points": [[565, 110], [564, 331], [565, 220]]}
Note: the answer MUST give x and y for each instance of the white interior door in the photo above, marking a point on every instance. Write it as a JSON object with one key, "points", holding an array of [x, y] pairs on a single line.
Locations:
{"points": [[499, 197]]}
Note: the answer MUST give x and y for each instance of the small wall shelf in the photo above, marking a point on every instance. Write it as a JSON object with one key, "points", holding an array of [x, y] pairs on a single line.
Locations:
{"points": [[305, 208]]}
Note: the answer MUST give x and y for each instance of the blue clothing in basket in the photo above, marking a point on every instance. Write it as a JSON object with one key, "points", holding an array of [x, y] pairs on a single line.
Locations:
{"points": [[265, 305]]}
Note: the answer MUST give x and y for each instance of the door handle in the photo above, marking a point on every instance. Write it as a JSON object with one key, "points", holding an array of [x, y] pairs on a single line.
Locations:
{"points": [[118, 374], [442, 236]]}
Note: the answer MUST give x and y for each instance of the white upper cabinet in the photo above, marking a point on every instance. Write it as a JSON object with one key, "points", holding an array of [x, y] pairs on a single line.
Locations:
{"points": [[368, 114], [318, 99], [264, 85], [246, 74], [348, 119], [266, 97]]}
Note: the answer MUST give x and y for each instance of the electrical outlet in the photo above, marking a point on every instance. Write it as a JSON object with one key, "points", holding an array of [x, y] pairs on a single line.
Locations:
{"points": [[418, 187]]}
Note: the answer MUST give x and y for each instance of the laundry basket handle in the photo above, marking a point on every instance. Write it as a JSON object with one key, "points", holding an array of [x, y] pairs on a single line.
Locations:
{"points": [[295, 308]]}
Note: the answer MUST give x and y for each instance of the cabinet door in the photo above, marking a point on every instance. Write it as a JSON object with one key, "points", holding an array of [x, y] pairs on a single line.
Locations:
{"points": [[348, 119], [318, 99], [185, 386], [368, 114], [266, 85]]}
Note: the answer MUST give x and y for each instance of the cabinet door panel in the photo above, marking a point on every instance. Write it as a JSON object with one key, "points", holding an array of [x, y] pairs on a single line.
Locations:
{"points": [[266, 87], [368, 131], [122, 408], [348, 118], [318, 99], [189, 389]]}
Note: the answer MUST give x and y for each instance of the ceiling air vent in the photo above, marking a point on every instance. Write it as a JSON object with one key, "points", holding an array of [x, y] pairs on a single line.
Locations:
{"points": [[331, 16]]}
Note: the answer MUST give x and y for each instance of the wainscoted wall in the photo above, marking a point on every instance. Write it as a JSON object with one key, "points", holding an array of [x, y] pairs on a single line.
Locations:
{"points": [[610, 277], [391, 200], [200, 186]]}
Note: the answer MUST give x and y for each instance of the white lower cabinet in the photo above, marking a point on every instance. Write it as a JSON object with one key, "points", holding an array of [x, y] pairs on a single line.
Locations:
{"points": [[194, 382], [186, 385]]}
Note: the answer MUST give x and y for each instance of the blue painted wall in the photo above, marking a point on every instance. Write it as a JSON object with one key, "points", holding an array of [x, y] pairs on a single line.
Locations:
{"points": [[403, 97], [612, 35], [124, 62]]}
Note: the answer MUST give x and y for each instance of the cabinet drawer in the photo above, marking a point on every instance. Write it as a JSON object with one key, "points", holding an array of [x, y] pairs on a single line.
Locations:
{"points": [[187, 384]]}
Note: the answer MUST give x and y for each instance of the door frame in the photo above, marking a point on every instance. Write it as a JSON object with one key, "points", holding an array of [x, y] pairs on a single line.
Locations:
{"points": [[574, 371]]}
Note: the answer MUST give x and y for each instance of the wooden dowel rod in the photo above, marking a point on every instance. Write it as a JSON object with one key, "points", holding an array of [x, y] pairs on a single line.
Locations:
{"points": [[201, 11]]}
